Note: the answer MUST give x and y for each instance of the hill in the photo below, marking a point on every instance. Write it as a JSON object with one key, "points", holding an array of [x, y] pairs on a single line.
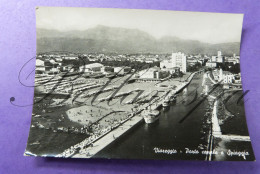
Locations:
{"points": [[102, 39]]}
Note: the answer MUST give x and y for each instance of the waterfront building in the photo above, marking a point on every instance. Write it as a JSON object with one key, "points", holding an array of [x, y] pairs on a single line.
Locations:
{"points": [[232, 60], [227, 77], [177, 60]]}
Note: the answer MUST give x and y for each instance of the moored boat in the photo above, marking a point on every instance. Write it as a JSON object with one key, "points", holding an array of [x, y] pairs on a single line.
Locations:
{"points": [[165, 104], [150, 116], [172, 98]]}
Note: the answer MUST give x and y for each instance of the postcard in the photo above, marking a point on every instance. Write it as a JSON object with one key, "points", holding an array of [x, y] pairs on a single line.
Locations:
{"points": [[138, 84]]}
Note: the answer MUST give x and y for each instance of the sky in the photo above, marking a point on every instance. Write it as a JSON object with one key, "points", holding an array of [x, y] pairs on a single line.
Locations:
{"points": [[205, 27]]}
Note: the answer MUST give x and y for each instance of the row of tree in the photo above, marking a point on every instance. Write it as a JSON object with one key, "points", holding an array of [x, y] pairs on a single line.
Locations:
{"points": [[133, 65]]}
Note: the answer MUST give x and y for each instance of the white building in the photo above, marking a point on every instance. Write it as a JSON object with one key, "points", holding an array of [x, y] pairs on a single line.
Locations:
{"points": [[40, 68], [178, 60], [213, 58], [93, 67], [219, 54], [166, 64], [233, 60], [39, 62], [71, 57], [220, 57], [152, 73], [122, 70], [226, 77], [211, 64]]}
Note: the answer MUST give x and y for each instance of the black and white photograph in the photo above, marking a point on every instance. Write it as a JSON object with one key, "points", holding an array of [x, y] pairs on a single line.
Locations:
{"points": [[138, 84]]}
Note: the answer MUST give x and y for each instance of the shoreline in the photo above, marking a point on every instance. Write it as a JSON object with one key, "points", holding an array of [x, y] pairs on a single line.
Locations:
{"points": [[111, 134]]}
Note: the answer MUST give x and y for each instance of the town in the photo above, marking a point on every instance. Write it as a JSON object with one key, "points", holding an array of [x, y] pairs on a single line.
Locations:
{"points": [[226, 68], [95, 94]]}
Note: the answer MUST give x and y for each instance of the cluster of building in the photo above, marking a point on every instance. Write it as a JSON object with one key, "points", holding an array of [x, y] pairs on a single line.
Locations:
{"points": [[52, 64], [220, 59], [122, 57], [97, 68], [175, 64], [227, 78]]}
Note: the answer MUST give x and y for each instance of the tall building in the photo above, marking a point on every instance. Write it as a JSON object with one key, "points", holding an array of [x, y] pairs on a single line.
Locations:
{"points": [[220, 57], [214, 59], [179, 60], [219, 54]]}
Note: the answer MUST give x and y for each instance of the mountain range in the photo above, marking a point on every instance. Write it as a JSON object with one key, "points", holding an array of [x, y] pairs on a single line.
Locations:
{"points": [[103, 39]]}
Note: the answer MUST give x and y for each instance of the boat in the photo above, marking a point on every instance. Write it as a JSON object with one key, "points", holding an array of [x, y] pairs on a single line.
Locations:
{"points": [[150, 116], [172, 98], [166, 102], [35, 143]]}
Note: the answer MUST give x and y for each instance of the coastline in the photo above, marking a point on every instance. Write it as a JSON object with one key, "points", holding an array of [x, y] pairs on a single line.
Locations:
{"points": [[98, 143]]}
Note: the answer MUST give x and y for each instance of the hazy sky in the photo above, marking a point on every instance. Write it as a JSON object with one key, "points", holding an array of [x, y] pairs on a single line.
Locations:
{"points": [[205, 27]]}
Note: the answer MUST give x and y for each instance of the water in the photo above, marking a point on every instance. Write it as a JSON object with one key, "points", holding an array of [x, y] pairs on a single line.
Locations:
{"points": [[235, 125], [49, 143], [167, 132], [238, 121]]}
